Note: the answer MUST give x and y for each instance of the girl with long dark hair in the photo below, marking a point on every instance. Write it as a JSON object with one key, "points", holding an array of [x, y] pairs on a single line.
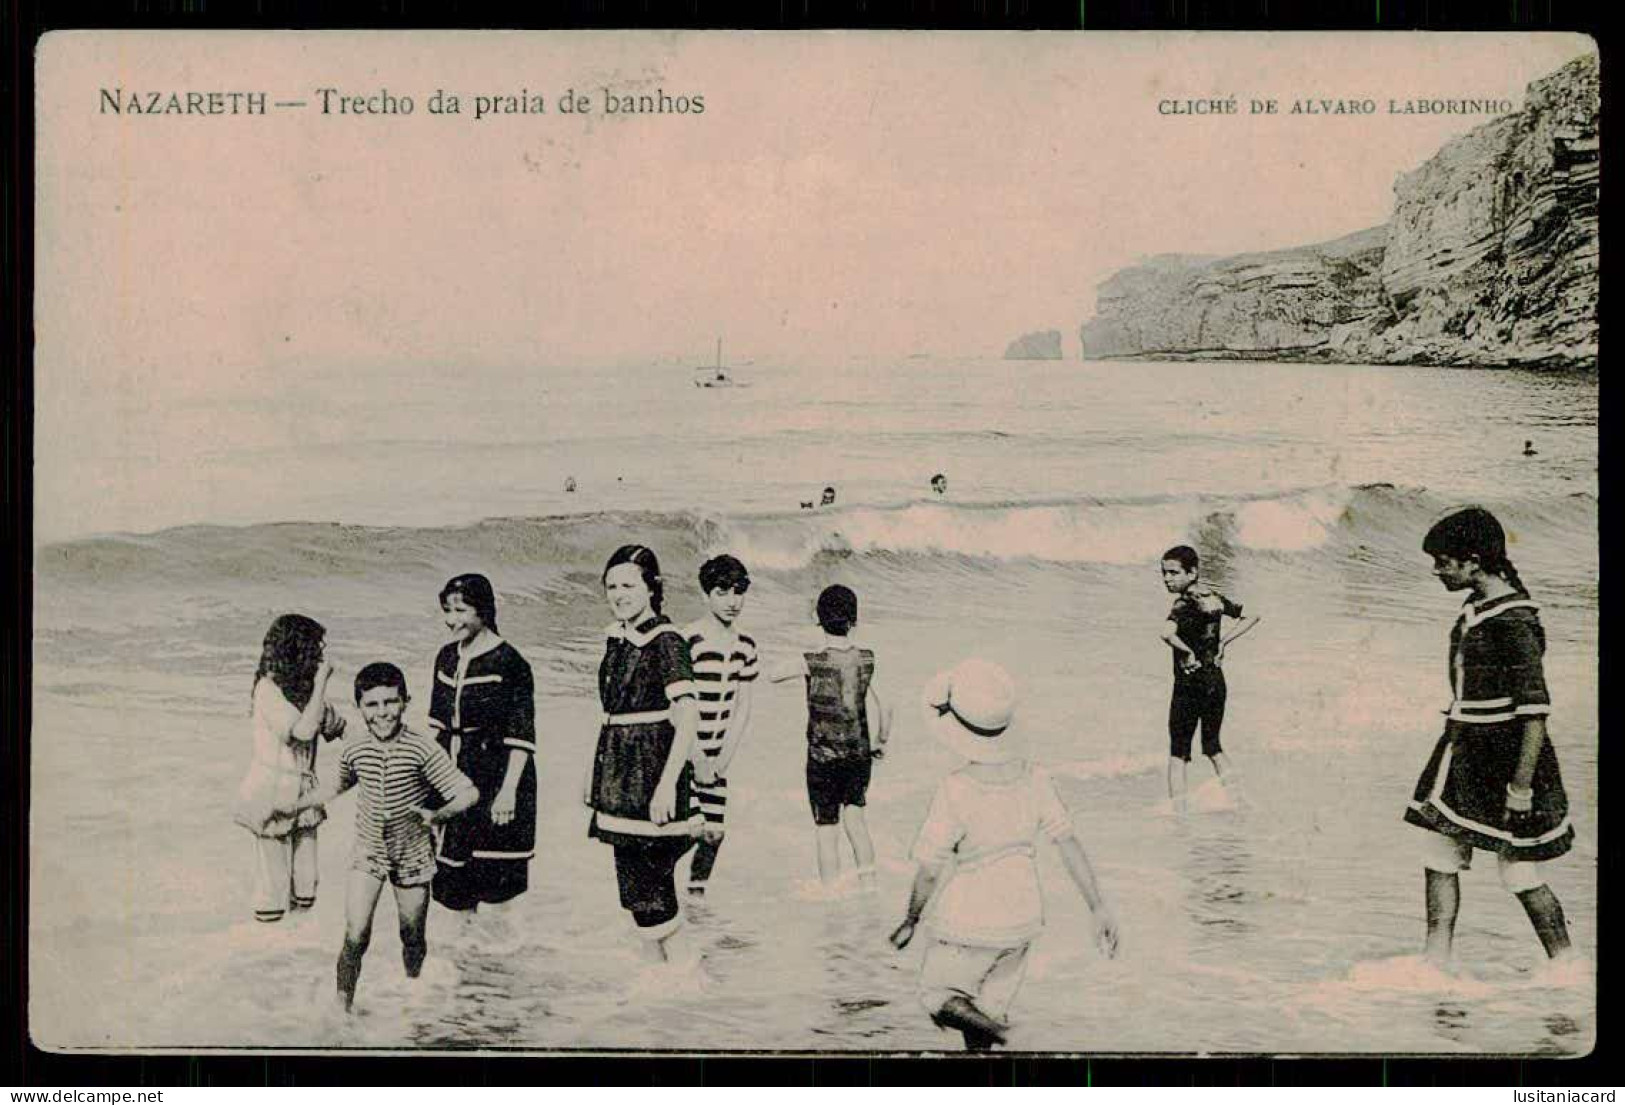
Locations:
{"points": [[289, 712]]}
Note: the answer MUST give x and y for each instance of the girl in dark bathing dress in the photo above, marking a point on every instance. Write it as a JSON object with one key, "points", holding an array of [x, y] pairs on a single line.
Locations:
{"points": [[639, 780], [1492, 782], [483, 711]]}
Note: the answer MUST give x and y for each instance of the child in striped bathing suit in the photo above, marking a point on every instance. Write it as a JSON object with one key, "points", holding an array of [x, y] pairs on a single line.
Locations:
{"points": [[399, 773], [725, 667]]}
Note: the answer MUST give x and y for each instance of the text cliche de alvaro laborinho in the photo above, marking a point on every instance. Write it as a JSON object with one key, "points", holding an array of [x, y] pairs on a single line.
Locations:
{"points": [[1232, 105], [346, 103]]}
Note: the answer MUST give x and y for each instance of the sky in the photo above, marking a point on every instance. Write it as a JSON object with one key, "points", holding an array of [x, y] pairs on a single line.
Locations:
{"points": [[842, 193]]}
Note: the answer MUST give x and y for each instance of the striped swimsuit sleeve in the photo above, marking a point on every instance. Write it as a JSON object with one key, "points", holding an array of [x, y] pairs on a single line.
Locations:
{"points": [[749, 666], [441, 774], [714, 690]]}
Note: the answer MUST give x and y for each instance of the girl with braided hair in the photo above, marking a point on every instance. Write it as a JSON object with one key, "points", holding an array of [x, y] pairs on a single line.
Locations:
{"points": [[1492, 782]]}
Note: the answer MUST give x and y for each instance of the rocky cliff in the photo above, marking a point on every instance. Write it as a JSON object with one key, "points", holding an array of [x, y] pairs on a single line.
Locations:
{"points": [[1040, 345], [1490, 259], [1254, 307]]}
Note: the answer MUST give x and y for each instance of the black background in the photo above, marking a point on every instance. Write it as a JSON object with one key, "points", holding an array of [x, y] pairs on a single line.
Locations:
{"points": [[20, 27]]}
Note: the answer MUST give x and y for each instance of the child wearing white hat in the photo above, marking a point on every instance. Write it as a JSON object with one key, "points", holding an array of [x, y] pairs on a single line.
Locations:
{"points": [[985, 819]]}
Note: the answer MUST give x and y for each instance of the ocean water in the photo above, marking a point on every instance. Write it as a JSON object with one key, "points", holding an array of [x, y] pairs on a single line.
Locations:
{"points": [[1288, 923]]}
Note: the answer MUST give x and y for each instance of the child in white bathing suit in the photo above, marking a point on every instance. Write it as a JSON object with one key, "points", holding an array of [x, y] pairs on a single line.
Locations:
{"points": [[985, 820], [290, 712]]}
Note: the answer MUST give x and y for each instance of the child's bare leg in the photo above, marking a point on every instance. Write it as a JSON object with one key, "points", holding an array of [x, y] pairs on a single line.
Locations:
{"points": [[657, 940], [680, 948], [1546, 914], [497, 922], [1229, 777], [1525, 880], [829, 852], [705, 858], [412, 910], [360, 900], [857, 834], [1443, 903], [302, 867], [272, 861], [1176, 781]]}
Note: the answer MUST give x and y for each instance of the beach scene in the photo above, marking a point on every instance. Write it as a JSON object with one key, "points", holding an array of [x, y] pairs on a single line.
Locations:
{"points": [[263, 389]]}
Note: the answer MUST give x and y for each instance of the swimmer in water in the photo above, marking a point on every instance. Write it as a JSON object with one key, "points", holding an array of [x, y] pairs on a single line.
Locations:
{"points": [[829, 497], [569, 484], [939, 484], [1529, 449]]}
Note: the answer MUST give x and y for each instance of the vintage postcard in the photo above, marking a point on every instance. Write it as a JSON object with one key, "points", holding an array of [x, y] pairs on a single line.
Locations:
{"points": [[816, 543]]}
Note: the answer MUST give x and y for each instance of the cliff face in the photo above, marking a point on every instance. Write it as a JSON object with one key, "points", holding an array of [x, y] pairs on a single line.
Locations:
{"points": [[1041, 345], [1255, 306], [1490, 259]]}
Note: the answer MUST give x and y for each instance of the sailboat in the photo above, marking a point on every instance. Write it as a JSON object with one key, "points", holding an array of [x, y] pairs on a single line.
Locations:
{"points": [[714, 376]]}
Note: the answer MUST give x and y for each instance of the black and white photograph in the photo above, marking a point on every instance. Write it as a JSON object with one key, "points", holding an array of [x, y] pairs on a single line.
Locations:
{"points": [[815, 543]]}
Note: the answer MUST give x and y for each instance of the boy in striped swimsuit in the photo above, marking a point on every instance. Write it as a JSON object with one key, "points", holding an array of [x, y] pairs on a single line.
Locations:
{"points": [[724, 672], [399, 771]]}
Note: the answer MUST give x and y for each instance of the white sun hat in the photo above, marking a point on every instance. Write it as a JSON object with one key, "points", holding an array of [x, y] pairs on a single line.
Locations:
{"points": [[970, 708]]}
